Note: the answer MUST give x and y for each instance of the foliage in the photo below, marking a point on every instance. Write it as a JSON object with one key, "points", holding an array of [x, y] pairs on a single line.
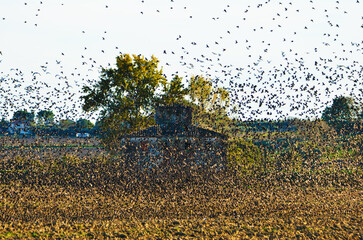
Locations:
{"points": [[4, 124], [45, 117], [126, 95], [209, 105], [173, 92], [203, 94], [217, 121], [243, 156], [83, 124], [344, 115], [342, 109], [66, 123], [24, 115]]}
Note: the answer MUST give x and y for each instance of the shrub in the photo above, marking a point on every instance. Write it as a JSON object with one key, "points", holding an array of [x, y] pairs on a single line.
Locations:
{"points": [[244, 157]]}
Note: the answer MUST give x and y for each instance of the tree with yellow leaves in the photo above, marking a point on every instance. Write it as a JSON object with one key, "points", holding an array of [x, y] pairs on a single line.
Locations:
{"points": [[128, 94], [125, 95]]}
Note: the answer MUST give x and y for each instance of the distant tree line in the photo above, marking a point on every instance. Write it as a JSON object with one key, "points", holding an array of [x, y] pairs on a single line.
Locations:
{"points": [[43, 123], [345, 114]]}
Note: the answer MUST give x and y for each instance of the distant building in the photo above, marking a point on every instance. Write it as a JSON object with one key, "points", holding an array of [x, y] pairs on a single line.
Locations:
{"points": [[175, 138]]}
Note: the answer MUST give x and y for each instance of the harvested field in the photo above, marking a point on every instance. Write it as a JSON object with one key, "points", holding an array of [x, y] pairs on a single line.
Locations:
{"points": [[86, 192], [48, 212]]}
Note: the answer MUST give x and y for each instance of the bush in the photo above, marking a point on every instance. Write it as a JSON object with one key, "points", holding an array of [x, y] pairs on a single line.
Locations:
{"points": [[244, 157]]}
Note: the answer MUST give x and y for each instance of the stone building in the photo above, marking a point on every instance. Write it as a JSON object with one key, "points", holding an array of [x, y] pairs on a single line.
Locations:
{"points": [[176, 139]]}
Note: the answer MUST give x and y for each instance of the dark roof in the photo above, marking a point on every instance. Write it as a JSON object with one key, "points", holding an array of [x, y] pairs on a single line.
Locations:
{"points": [[179, 131]]}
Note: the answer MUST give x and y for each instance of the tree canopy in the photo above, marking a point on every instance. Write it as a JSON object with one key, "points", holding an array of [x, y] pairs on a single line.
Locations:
{"points": [[66, 123], [174, 91], [342, 109], [209, 103], [23, 115], [84, 124], [45, 117], [127, 95]]}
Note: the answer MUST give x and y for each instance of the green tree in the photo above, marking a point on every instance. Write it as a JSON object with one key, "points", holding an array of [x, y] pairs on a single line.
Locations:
{"points": [[4, 124], [24, 115], [125, 95], [344, 115], [174, 92], [200, 90], [342, 109], [203, 94], [245, 157], [66, 124], [209, 104], [45, 117], [83, 124]]}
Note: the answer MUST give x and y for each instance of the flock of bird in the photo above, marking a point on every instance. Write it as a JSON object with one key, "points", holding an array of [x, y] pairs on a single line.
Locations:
{"points": [[270, 81]]}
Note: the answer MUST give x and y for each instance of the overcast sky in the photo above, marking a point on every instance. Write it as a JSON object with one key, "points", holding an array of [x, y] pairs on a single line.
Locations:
{"points": [[278, 58]]}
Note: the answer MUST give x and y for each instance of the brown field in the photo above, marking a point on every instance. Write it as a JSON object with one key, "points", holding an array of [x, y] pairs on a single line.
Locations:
{"points": [[79, 192]]}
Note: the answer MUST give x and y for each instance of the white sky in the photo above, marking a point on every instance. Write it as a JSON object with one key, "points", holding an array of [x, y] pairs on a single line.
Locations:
{"points": [[51, 48]]}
